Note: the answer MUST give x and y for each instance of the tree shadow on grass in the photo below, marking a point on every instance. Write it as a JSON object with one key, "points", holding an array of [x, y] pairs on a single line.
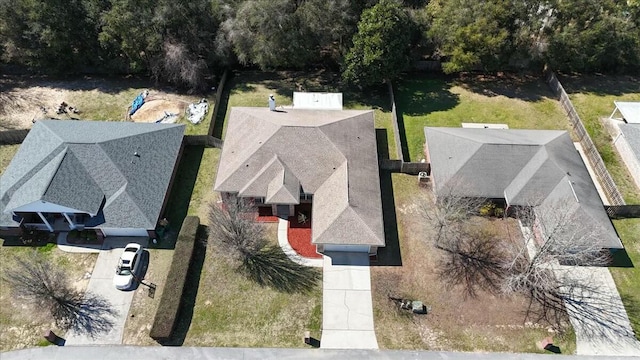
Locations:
{"points": [[524, 87], [421, 95], [180, 195], [190, 292], [601, 85], [271, 267]]}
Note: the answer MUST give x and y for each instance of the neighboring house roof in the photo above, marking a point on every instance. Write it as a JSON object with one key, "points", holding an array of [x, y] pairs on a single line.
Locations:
{"points": [[631, 132], [524, 167], [329, 153], [630, 111], [121, 168]]}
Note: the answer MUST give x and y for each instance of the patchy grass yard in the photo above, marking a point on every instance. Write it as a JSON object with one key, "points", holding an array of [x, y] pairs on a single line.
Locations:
{"points": [[593, 98], [489, 322], [22, 325], [253, 89], [24, 99], [6, 154], [521, 102]]}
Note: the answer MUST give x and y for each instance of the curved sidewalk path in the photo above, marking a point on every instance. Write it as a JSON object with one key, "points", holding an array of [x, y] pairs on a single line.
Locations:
{"points": [[283, 241]]}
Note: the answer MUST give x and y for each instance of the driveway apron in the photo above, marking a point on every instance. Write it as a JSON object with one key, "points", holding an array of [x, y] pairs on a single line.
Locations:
{"points": [[604, 329], [347, 308], [101, 284]]}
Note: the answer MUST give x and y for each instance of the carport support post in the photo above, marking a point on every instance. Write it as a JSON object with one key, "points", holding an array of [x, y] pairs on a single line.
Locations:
{"points": [[45, 221], [71, 223]]}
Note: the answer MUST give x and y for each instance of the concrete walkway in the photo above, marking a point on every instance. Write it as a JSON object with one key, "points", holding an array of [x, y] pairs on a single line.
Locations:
{"points": [[347, 308], [283, 241], [101, 284]]}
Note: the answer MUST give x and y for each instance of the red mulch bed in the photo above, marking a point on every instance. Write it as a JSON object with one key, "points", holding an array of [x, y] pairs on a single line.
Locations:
{"points": [[299, 236]]}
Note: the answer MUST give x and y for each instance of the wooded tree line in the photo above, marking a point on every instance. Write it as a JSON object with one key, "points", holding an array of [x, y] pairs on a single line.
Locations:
{"points": [[368, 40]]}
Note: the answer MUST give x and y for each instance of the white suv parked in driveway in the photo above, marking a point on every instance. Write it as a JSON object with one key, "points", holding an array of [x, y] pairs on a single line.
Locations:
{"points": [[128, 268]]}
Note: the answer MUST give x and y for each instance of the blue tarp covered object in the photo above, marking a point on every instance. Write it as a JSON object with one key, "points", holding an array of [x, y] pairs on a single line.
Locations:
{"points": [[137, 103]]}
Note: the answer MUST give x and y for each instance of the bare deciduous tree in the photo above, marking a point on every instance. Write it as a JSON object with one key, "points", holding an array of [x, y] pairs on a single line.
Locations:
{"points": [[237, 236], [179, 66], [555, 239], [36, 279], [233, 230], [473, 258]]}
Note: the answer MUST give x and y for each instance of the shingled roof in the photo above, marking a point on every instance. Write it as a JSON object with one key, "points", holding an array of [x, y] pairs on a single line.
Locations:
{"points": [[120, 168], [328, 153], [524, 167]]}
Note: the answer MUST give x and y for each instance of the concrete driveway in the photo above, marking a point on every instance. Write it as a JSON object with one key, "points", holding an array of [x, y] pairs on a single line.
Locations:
{"points": [[101, 283], [347, 308], [599, 318]]}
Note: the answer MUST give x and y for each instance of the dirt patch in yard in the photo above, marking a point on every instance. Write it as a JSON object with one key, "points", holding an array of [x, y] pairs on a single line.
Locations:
{"points": [[156, 107], [487, 322], [25, 99]]}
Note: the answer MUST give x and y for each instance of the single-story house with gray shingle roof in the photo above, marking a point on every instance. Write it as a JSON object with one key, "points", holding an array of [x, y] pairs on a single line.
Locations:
{"points": [[109, 176], [327, 157], [521, 167]]}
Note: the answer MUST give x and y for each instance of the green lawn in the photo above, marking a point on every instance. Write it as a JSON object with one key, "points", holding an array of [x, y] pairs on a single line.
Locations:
{"points": [[593, 97], [520, 102], [253, 89]]}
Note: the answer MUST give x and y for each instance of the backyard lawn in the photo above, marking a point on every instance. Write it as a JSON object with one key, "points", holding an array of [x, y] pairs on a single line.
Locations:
{"points": [[520, 102], [593, 98], [253, 88]]}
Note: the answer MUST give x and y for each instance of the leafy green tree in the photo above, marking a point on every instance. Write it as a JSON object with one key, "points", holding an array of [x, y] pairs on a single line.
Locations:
{"points": [[331, 38], [483, 35], [380, 48], [170, 39], [55, 35], [269, 34], [594, 36]]}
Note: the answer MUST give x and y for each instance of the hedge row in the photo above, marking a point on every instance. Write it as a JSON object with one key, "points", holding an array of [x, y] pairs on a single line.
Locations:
{"points": [[167, 313]]}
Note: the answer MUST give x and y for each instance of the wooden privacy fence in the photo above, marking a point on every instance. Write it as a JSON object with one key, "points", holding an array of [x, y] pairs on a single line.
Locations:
{"points": [[605, 179]]}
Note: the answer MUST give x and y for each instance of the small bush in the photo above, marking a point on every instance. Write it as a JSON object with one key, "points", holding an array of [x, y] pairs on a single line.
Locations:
{"points": [[167, 313], [487, 209]]}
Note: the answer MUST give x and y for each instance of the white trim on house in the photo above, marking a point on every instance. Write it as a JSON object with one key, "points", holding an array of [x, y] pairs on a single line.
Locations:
{"points": [[45, 207], [629, 111]]}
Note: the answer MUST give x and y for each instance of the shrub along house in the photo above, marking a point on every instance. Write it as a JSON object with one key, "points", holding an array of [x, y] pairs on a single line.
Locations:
{"points": [[109, 176], [325, 157], [521, 168]]}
